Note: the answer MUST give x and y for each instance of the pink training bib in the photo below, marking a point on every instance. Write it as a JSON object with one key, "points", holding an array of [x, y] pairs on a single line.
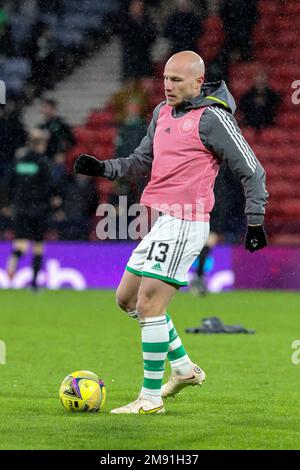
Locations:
{"points": [[183, 170]]}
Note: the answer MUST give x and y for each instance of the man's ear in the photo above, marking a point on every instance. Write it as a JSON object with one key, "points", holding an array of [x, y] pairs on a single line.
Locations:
{"points": [[200, 81]]}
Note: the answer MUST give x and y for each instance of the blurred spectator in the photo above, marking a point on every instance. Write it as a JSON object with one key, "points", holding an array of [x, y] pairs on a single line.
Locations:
{"points": [[6, 42], [217, 69], [50, 6], [30, 191], [5, 222], [137, 34], [122, 187], [131, 131], [59, 171], [227, 222], [79, 201], [28, 9], [132, 91], [61, 136], [130, 134], [6, 156], [6, 143], [239, 17], [30, 180], [14, 119], [260, 104], [125, 4], [183, 27], [41, 49], [228, 213]]}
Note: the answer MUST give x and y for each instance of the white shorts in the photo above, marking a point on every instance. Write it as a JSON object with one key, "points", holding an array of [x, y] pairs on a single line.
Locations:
{"points": [[169, 249]]}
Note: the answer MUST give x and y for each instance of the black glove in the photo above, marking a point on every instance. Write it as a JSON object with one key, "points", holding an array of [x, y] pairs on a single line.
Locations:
{"points": [[88, 165], [255, 238]]}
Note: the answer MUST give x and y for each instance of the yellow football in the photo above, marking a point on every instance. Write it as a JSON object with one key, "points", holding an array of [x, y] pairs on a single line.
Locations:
{"points": [[82, 391]]}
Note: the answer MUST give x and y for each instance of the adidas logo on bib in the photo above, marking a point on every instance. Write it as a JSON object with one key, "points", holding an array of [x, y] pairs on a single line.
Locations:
{"points": [[157, 267]]}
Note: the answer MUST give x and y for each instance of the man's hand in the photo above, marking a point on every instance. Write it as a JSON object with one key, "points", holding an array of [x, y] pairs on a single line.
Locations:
{"points": [[256, 238], [88, 165]]}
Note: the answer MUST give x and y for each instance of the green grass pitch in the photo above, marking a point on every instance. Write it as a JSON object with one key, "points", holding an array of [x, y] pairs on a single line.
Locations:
{"points": [[251, 398]]}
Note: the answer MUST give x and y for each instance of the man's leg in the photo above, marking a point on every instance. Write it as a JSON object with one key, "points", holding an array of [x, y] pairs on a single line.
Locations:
{"points": [[163, 258], [184, 371], [38, 250], [198, 285], [153, 298], [179, 360], [126, 298], [19, 248], [127, 293]]}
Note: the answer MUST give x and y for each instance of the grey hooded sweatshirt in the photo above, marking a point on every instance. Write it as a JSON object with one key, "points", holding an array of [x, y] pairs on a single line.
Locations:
{"points": [[220, 134]]}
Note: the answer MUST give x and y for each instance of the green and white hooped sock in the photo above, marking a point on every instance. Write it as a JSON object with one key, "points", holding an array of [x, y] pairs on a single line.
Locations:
{"points": [[155, 342], [177, 356], [133, 314]]}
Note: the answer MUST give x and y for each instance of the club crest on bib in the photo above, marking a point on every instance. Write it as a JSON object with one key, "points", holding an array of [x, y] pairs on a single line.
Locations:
{"points": [[187, 125]]}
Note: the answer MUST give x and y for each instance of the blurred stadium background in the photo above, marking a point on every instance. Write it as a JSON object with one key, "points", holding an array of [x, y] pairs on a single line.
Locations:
{"points": [[90, 72]]}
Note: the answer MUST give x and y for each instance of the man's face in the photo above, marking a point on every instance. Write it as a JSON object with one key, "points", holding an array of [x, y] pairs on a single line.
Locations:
{"points": [[39, 145], [48, 111], [180, 84], [136, 8]]}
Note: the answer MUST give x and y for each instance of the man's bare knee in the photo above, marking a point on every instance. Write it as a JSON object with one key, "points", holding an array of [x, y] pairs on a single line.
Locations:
{"points": [[126, 295], [153, 297], [125, 303], [146, 307]]}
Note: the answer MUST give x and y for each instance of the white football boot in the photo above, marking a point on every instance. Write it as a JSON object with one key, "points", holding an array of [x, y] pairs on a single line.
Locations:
{"points": [[141, 406], [176, 383]]}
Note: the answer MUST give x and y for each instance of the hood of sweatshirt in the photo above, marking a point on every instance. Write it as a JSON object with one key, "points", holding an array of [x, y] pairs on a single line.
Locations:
{"points": [[212, 94]]}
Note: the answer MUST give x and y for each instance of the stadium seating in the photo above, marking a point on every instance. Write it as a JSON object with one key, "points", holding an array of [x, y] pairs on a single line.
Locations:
{"points": [[15, 72], [96, 137], [71, 26], [212, 38], [85, 136], [98, 120], [289, 121]]}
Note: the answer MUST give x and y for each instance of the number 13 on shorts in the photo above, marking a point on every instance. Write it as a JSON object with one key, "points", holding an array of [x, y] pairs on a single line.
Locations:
{"points": [[169, 249]]}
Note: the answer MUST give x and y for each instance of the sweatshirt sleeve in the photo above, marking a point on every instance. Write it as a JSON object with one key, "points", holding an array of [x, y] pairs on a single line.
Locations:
{"points": [[139, 163], [221, 135]]}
